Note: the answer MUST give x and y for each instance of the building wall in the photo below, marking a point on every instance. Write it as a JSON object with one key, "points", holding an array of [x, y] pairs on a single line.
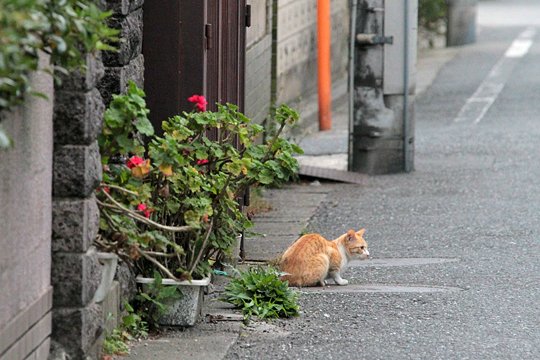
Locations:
{"points": [[25, 227], [296, 52], [259, 61]]}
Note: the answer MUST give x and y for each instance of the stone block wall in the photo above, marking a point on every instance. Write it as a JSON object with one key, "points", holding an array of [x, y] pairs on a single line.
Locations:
{"points": [[76, 272], [78, 322], [128, 62]]}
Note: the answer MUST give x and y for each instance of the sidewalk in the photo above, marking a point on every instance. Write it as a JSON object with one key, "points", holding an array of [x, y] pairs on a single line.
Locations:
{"points": [[292, 208]]}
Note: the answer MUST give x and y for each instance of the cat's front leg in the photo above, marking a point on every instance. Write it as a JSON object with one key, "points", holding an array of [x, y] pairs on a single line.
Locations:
{"points": [[338, 279]]}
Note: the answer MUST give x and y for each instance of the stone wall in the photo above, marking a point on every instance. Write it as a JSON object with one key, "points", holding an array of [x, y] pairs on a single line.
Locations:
{"points": [[259, 61], [25, 227], [128, 63], [78, 322], [78, 111]]}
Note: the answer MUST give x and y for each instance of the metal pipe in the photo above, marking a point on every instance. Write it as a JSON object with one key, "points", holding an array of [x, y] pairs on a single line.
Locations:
{"points": [[406, 134], [352, 42], [324, 65]]}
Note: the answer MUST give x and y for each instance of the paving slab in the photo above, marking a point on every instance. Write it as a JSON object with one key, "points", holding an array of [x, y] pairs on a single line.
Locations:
{"points": [[282, 228], [266, 248], [205, 341]]}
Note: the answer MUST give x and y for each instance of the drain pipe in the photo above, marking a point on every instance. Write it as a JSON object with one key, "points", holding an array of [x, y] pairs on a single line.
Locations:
{"points": [[352, 41], [406, 130], [324, 66]]}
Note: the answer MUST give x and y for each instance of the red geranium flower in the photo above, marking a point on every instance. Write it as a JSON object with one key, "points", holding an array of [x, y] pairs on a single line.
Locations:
{"points": [[104, 188], [146, 212], [134, 161], [199, 101]]}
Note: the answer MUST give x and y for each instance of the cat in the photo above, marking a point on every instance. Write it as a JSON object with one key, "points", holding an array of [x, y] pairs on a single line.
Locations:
{"points": [[312, 259]]}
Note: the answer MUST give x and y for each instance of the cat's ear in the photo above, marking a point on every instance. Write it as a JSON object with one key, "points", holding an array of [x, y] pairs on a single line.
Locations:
{"points": [[351, 236], [361, 232]]}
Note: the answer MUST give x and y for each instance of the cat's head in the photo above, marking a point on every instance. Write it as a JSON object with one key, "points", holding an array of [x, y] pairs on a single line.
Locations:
{"points": [[356, 245]]}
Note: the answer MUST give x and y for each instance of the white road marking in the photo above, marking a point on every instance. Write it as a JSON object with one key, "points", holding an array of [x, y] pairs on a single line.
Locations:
{"points": [[519, 48], [478, 104]]}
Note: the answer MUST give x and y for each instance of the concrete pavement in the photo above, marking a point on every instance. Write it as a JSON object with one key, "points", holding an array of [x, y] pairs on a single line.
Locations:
{"points": [[455, 244]]}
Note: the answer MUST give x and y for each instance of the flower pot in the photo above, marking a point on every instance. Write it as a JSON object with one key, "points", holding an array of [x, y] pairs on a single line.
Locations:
{"points": [[186, 310]]}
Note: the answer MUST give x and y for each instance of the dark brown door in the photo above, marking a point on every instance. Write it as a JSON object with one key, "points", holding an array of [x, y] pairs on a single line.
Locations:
{"points": [[193, 47]]}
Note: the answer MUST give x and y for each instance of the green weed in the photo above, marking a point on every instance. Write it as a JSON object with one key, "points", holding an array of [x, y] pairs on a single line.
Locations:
{"points": [[260, 292]]}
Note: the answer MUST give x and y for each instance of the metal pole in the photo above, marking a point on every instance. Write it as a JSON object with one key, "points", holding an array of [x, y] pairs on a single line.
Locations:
{"points": [[324, 66], [406, 144], [352, 40]]}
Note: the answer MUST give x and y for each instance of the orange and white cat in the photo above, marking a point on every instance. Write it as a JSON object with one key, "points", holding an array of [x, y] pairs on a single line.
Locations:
{"points": [[312, 259]]}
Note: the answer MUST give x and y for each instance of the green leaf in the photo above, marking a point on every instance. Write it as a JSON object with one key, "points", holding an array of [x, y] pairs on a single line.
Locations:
{"points": [[192, 218], [144, 126], [260, 292]]}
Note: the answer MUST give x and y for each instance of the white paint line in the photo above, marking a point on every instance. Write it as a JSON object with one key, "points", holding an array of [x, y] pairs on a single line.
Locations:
{"points": [[519, 48], [478, 104]]}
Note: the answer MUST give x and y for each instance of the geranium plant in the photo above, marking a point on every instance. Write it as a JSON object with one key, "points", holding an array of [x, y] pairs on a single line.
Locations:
{"points": [[173, 205]]}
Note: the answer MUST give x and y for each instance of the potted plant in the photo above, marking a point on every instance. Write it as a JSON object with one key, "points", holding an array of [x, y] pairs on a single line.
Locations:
{"points": [[171, 205]]}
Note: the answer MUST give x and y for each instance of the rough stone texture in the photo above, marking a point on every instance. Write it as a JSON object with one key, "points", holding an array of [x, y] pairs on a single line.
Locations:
{"points": [[131, 31], [77, 170], [184, 311], [84, 80], [75, 224], [116, 79], [77, 117], [25, 205], [75, 278], [78, 330], [123, 7]]}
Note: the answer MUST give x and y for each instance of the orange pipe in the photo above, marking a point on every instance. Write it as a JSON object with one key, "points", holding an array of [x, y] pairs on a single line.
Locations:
{"points": [[324, 66]]}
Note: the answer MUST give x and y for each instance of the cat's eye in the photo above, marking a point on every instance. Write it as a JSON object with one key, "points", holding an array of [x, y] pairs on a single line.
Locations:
{"points": [[362, 247]]}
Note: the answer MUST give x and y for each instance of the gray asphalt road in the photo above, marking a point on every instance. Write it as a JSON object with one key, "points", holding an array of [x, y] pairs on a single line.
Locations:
{"points": [[474, 198]]}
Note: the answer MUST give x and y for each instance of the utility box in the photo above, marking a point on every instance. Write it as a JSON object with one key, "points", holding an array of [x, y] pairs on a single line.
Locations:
{"points": [[382, 124], [394, 61]]}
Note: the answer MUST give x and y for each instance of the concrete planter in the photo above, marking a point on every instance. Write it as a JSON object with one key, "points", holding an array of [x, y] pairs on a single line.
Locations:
{"points": [[109, 262], [186, 310]]}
